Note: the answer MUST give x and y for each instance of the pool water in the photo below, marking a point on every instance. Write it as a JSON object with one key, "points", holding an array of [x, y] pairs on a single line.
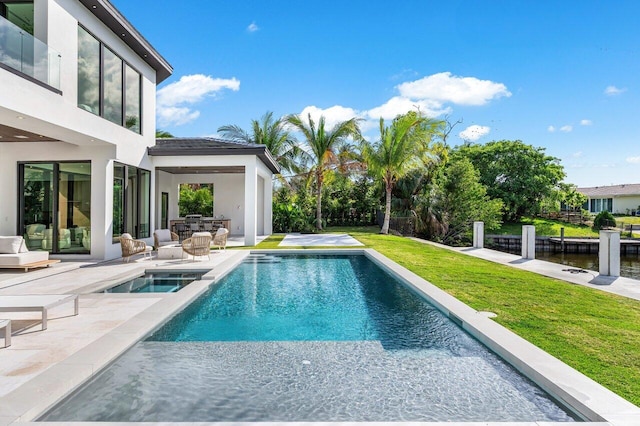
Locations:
{"points": [[309, 338], [157, 282]]}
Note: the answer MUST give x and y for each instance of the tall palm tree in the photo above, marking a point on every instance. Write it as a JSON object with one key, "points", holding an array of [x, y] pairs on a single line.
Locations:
{"points": [[163, 134], [274, 134], [322, 144], [398, 151]]}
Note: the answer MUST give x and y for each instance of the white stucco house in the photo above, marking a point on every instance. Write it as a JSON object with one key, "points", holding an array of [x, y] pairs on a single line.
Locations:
{"points": [[79, 162], [618, 199]]}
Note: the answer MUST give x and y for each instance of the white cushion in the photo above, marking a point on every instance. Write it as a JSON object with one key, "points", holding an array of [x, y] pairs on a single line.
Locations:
{"points": [[126, 236], [221, 231], [201, 234], [10, 245], [163, 234], [16, 259]]}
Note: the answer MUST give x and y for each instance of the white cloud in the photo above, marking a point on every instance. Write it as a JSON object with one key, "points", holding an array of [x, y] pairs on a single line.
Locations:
{"points": [[577, 154], [400, 105], [474, 132], [566, 128], [633, 160], [175, 116], [445, 87], [613, 90], [252, 28], [332, 115], [551, 129], [173, 101], [586, 122]]}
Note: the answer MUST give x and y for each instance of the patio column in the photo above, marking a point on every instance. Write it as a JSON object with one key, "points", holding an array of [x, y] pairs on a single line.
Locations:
{"points": [[528, 242], [250, 202], [609, 253], [268, 205]]}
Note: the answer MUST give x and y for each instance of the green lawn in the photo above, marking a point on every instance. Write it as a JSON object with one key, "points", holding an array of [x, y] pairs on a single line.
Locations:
{"points": [[545, 227], [595, 332]]}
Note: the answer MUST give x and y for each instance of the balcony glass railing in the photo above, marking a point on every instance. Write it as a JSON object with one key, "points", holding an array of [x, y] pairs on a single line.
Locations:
{"points": [[23, 52]]}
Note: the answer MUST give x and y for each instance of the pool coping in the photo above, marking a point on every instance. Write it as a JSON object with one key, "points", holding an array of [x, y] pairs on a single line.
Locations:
{"points": [[591, 400]]}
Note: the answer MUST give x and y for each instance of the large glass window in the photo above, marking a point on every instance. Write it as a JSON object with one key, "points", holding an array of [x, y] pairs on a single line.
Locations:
{"points": [[131, 201], [88, 72], [55, 206], [132, 99], [112, 91], [108, 86], [119, 176]]}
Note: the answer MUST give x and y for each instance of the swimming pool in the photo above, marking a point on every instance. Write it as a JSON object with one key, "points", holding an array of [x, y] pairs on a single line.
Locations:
{"points": [[157, 282], [309, 338]]}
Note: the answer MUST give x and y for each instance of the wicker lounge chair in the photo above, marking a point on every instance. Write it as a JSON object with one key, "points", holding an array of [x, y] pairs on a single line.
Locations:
{"points": [[220, 239], [198, 245], [164, 237], [131, 247]]}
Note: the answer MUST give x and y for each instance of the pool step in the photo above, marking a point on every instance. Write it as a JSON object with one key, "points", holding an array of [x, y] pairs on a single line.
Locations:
{"points": [[262, 258]]}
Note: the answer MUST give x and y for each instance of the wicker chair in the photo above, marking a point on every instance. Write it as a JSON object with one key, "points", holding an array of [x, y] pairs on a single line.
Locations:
{"points": [[131, 247], [164, 237], [220, 239], [198, 245]]}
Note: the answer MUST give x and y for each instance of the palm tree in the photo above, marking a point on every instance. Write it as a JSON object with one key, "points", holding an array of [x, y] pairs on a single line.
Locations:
{"points": [[398, 151], [322, 144], [272, 133], [163, 134]]}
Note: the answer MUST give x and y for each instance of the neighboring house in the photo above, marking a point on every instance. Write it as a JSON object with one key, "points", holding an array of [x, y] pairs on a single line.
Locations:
{"points": [[619, 199], [77, 117]]}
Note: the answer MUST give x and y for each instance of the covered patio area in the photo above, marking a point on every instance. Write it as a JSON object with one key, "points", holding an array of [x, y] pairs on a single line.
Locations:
{"points": [[241, 175]]}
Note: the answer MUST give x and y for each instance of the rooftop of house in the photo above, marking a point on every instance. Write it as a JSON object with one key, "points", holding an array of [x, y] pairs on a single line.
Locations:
{"points": [[212, 146], [611, 190], [117, 23]]}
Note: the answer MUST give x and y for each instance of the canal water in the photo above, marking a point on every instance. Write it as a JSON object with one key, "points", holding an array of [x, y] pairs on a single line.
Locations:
{"points": [[629, 264]]}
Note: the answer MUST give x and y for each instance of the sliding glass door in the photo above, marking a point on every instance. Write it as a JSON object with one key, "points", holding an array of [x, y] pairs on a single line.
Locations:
{"points": [[55, 206], [131, 201]]}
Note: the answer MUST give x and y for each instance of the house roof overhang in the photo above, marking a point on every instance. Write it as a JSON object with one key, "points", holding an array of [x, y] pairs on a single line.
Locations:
{"points": [[212, 146], [628, 190], [116, 22]]}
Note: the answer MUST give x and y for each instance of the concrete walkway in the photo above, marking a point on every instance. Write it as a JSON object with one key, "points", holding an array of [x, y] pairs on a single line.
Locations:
{"points": [[318, 240], [621, 286]]}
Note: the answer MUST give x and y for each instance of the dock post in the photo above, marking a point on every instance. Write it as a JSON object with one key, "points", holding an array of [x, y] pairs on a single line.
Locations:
{"points": [[609, 254], [478, 234], [562, 239], [528, 242]]}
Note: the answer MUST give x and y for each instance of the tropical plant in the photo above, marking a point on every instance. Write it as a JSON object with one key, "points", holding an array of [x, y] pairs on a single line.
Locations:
{"points": [[518, 174], [322, 145], [273, 133], [196, 199], [458, 200], [163, 134], [397, 152]]}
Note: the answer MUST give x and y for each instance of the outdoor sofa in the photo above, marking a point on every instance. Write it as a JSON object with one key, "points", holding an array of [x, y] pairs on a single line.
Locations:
{"points": [[14, 254]]}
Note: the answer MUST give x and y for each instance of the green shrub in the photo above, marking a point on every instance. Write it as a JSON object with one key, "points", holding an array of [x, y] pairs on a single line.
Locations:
{"points": [[604, 219]]}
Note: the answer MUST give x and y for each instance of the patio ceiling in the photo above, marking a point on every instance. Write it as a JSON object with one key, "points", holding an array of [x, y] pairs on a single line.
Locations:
{"points": [[11, 134], [202, 170]]}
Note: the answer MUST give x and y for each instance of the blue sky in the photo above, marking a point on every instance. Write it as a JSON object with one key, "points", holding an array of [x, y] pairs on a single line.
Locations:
{"points": [[562, 74]]}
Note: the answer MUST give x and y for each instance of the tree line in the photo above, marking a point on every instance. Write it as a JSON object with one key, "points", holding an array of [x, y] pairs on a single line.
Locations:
{"points": [[333, 176]]}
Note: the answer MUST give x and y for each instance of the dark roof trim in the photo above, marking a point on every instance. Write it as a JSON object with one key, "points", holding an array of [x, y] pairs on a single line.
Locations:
{"points": [[177, 147], [116, 22]]}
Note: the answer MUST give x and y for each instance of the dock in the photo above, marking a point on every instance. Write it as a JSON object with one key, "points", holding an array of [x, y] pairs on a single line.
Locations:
{"points": [[557, 244]]}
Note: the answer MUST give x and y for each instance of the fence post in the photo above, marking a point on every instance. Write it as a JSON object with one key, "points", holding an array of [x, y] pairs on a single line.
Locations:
{"points": [[528, 242], [478, 234], [609, 253]]}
